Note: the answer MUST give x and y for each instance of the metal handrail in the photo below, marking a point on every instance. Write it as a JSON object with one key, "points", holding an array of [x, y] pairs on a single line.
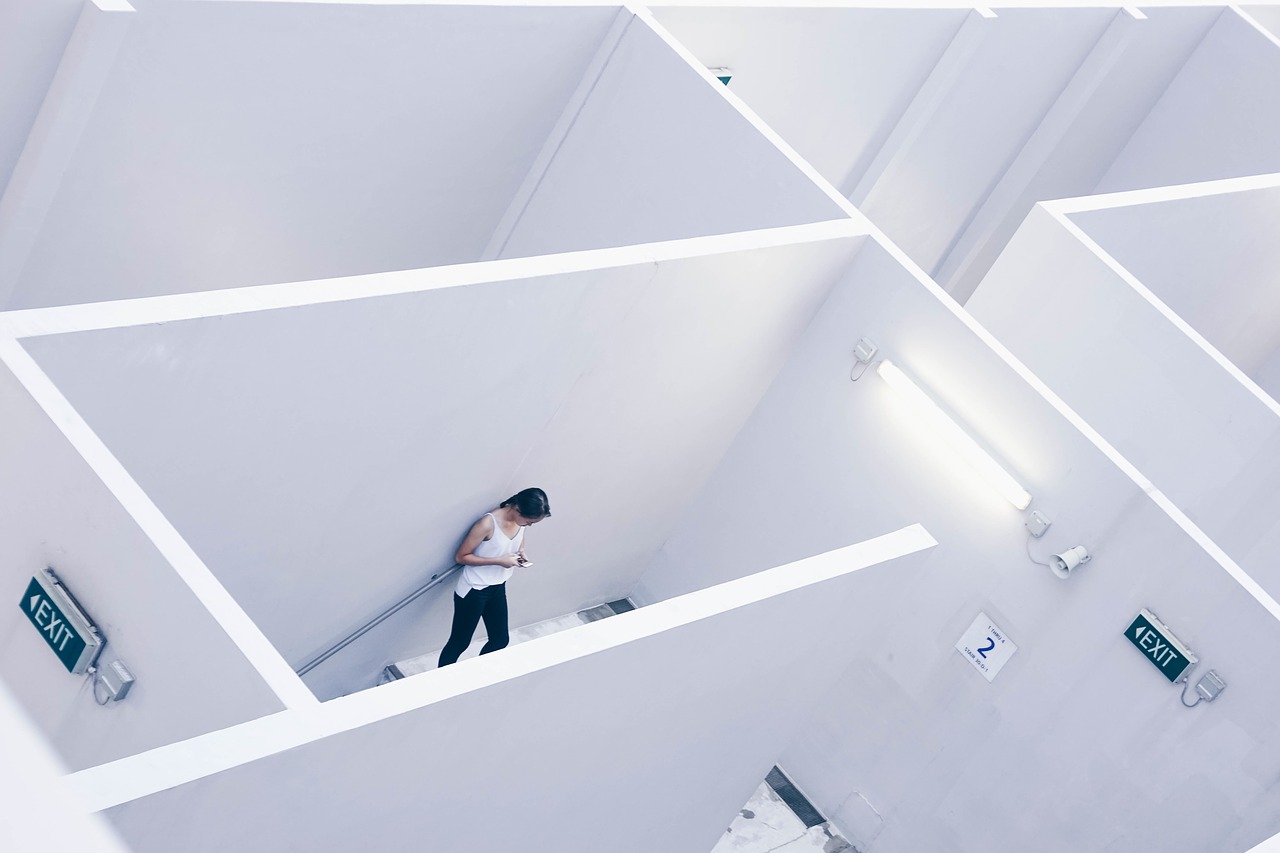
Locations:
{"points": [[435, 580]]}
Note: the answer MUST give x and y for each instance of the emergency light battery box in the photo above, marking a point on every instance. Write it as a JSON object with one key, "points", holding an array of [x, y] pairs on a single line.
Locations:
{"points": [[1210, 686], [117, 679]]}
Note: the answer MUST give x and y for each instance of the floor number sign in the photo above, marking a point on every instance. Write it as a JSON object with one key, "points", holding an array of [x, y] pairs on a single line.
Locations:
{"points": [[986, 646]]}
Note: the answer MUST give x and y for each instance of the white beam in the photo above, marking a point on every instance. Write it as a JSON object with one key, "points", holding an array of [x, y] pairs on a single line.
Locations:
{"points": [[896, 147], [954, 270], [87, 62], [141, 775], [805, 167], [242, 631], [563, 126], [59, 319]]}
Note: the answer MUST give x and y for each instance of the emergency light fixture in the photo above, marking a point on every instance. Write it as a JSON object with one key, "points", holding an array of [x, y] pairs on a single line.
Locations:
{"points": [[956, 438]]}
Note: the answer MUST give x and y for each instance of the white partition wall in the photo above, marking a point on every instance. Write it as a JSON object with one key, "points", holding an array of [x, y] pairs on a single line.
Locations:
{"points": [[1154, 387], [858, 69], [945, 126], [649, 130], [564, 743], [1208, 253], [822, 458], [55, 511], [197, 146], [1088, 728], [1217, 119], [292, 292], [39, 812], [1267, 17], [323, 460], [1076, 723], [235, 143], [33, 37]]}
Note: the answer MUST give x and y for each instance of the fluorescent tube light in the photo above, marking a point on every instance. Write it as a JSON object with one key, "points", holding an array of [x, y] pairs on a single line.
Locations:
{"points": [[955, 437]]}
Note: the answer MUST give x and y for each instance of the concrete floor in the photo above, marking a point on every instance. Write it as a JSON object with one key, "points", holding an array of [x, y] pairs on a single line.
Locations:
{"points": [[767, 825], [425, 662]]}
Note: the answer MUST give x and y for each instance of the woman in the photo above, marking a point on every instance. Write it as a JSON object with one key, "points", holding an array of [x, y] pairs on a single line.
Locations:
{"points": [[489, 556]]}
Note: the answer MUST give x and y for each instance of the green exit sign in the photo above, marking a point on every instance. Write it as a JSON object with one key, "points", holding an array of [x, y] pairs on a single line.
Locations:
{"points": [[1154, 639], [64, 627]]}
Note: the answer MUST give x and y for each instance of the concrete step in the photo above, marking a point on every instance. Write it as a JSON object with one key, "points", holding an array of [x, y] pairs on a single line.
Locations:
{"points": [[425, 662]]}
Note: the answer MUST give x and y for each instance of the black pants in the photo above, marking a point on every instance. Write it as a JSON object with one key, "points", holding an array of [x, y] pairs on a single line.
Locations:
{"points": [[489, 604]]}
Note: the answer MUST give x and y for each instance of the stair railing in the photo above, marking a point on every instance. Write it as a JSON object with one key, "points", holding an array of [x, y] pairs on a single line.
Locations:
{"points": [[435, 580]]}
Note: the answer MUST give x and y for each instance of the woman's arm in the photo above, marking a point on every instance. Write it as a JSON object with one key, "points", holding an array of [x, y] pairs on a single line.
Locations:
{"points": [[479, 532]]}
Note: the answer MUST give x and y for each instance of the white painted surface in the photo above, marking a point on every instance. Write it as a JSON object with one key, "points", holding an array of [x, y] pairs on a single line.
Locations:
{"points": [[1271, 845], [62, 319], [158, 770], [911, 728], [33, 36], [562, 746], [1267, 17], [1166, 400], [657, 153], [236, 144], [338, 452], [66, 110], [831, 81], [1021, 66], [1079, 136], [1071, 721], [894, 466], [1212, 259], [1218, 118], [839, 84], [55, 511], [937, 779], [40, 811]]}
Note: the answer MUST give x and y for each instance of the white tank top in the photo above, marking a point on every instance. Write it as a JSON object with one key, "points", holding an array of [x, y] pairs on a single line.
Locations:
{"points": [[497, 545]]}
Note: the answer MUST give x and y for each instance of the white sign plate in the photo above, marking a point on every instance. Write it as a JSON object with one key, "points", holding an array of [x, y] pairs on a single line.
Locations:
{"points": [[986, 646]]}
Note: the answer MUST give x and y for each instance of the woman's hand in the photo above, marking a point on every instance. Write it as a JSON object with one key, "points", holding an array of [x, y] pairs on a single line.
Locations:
{"points": [[509, 561]]}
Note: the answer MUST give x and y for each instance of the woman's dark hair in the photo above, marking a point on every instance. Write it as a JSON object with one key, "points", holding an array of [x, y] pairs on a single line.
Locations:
{"points": [[531, 503]]}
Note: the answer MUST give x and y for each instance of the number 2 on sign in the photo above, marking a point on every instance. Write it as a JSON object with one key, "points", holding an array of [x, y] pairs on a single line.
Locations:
{"points": [[991, 644]]}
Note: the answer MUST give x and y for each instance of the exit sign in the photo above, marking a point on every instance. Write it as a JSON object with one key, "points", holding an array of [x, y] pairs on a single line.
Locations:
{"points": [[62, 624], [1157, 643]]}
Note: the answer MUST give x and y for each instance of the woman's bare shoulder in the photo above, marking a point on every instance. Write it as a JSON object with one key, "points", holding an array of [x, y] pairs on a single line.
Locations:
{"points": [[485, 524]]}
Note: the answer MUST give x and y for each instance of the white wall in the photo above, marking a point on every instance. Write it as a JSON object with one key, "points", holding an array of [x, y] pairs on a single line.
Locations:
{"points": [[1076, 724], [55, 512], [1218, 118], [979, 118], [40, 813], [33, 36], [246, 143], [657, 153], [1266, 16], [1077, 152], [607, 736], [1211, 258], [859, 457], [1082, 727], [832, 82], [323, 460], [1204, 438], [1020, 67]]}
